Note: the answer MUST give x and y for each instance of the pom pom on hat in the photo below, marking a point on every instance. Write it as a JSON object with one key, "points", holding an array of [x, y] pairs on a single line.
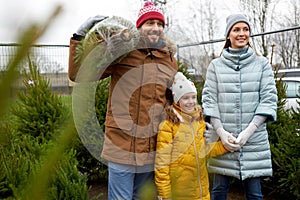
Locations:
{"points": [[233, 19], [181, 86], [149, 11]]}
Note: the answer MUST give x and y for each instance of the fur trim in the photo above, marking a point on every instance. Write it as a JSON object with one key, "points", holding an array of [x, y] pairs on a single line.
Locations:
{"points": [[201, 113], [164, 42], [171, 115], [175, 117]]}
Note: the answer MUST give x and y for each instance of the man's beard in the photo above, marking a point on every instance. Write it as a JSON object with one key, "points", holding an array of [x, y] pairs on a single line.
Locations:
{"points": [[145, 42], [157, 45]]}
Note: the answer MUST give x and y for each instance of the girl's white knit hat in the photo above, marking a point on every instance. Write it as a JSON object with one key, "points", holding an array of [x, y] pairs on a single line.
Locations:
{"points": [[181, 86]]}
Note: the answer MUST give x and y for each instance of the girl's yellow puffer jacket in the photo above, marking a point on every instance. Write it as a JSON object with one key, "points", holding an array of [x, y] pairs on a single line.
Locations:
{"points": [[180, 163]]}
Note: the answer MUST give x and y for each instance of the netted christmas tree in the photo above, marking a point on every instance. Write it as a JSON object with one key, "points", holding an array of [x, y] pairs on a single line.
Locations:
{"points": [[105, 43]]}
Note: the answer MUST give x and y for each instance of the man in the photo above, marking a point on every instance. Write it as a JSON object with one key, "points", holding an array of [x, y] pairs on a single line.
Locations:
{"points": [[137, 98]]}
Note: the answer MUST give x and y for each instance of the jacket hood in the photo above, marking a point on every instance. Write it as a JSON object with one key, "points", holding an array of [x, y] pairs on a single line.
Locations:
{"points": [[163, 42], [177, 115]]}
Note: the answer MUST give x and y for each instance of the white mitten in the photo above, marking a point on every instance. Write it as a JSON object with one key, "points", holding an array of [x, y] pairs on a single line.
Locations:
{"points": [[246, 134], [228, 140]]}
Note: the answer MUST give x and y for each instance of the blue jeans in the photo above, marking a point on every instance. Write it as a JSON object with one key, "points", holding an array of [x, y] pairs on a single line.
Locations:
{"points": [[125, 181], [221, 184]]}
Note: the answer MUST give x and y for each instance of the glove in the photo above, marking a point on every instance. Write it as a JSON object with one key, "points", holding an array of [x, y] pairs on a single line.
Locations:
{"points": [[210, 134], [246, 134], [88, 24], [228, 140]]}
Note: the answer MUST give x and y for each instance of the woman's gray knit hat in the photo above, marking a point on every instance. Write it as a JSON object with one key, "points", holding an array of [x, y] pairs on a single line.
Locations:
{"points": [[233, 19]]}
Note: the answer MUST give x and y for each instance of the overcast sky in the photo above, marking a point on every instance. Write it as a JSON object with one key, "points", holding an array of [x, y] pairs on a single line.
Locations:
{"points": [[16, 14]]}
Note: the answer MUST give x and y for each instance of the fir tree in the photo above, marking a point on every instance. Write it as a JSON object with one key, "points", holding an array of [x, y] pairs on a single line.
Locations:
{"points": [[38, 111], [90, 143], [34, 136], [284, 136]]}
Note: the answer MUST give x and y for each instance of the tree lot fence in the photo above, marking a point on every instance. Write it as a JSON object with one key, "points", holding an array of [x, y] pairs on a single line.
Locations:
{"points": [[52, 60], [281, 47]]}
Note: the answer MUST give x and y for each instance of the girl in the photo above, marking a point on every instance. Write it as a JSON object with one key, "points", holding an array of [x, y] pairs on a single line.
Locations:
{"points": [[180, 164]]}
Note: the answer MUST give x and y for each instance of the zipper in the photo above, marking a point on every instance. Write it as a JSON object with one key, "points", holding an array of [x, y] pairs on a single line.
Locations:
{"points": [[138, 113], [197, 159]]}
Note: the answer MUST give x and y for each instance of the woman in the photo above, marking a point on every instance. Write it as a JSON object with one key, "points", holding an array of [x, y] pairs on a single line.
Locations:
{"points": [[239, 97]]}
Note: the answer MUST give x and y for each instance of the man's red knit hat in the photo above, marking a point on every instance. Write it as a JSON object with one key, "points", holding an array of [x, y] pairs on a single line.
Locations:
{"points": [[149, 11]]}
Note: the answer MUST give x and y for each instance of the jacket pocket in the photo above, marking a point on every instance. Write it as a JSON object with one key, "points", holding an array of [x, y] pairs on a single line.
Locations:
{"points": [[124, 124], [166, 70]]}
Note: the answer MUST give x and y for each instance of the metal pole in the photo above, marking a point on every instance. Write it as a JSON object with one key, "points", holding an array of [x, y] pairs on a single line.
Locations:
{"points": [[221, 40], [177, 52]]}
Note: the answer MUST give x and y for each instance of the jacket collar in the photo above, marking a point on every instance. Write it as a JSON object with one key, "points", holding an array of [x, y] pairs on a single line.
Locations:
{"points": [[185, 116], [237, 58]]}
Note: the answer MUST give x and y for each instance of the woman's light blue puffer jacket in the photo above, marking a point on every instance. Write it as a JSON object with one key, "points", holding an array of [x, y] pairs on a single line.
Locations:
{"points": [[239, 85]]}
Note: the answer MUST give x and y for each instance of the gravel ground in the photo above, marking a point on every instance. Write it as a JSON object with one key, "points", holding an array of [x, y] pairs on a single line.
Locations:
{"points": [[235, 192]]}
